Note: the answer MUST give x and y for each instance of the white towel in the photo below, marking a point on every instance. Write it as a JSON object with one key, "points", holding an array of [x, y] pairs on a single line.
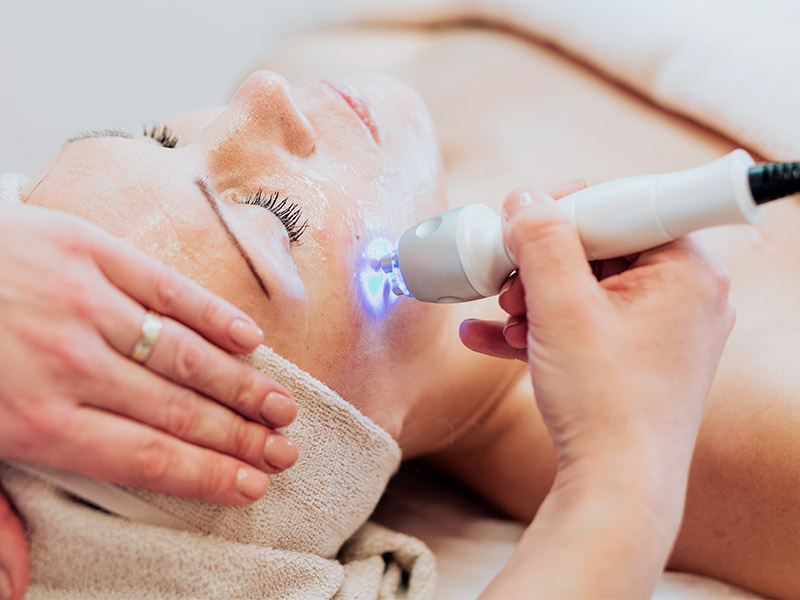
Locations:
{"points": [[11, 185], [306, 538]]}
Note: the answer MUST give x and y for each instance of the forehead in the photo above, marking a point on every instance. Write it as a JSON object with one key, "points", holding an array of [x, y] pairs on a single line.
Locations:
{"points": [[137, 192], [122, 184], [148, 196]]}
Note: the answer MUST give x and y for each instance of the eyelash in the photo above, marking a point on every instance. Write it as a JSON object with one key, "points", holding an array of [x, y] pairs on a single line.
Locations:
{"points": [[163, 135], [289, 213]]}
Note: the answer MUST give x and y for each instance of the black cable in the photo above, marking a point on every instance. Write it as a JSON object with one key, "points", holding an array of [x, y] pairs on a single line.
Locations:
{"points": [[771, 181]]}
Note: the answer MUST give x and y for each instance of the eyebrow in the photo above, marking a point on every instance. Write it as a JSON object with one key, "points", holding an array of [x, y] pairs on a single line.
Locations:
{"points": [[95, 133], [99, 133], [234, 240]]}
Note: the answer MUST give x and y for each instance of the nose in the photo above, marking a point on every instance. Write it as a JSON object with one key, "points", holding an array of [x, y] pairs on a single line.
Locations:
{"points": [[262, 115]]}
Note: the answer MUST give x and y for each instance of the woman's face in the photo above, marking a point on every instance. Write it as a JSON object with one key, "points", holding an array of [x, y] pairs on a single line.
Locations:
{"points": [[359, 159]]}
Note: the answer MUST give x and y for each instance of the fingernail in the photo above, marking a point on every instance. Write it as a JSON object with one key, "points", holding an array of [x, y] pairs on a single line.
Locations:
{"points": [[280, 451], [506, 286], [515, 202], [524, 199], [248, 335], [251, 483], [5, 584], [512, 322], [278, 409]]}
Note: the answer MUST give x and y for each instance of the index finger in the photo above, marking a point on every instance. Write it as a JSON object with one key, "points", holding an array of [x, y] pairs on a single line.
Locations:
{"points": [[166, 291]]}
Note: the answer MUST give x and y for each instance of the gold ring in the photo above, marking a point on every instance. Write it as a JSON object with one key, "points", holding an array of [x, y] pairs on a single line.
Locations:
{"points": [[151, 329]]}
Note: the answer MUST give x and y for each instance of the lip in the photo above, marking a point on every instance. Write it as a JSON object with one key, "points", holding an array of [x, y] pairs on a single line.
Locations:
{"points": [[358, 103]]}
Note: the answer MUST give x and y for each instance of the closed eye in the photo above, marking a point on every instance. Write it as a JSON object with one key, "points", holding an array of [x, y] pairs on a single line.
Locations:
{"points": [[163, 135], [288, 213]]}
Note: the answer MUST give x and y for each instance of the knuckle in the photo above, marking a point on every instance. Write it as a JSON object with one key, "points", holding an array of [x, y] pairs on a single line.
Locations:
{"points": [[525, 227], [712, 280], [181, 413], [72, 234], [71, 357], [167, 291], [211, 311], [708, 269], [545, 235], [187, 360], [242, 438], [151, 462], [80, 296], [721, 278], [246, 391], [218, 474], [32, 424]]}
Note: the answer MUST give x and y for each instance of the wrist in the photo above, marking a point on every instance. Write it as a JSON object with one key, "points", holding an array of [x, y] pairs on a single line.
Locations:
{"points": [[637, 474], [603, 531]]}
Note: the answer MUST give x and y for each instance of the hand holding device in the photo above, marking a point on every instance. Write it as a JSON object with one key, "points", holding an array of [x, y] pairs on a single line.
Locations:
{"points": [[621, 369], [459, 255]]}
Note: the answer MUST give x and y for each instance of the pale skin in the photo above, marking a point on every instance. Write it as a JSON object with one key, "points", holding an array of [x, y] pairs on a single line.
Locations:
{"points": [[534, 115], [294, 141]]}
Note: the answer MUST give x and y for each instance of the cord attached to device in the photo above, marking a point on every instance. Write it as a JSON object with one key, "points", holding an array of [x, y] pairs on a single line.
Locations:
{"points": [[772, 181]]}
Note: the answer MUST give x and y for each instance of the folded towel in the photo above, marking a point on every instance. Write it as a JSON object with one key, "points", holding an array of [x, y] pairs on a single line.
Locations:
{"points": [[306, 538], [11, 185]]}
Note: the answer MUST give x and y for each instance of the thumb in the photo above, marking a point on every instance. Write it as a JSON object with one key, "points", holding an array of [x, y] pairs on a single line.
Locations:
{"points": [[14, 556], [548, 251]]}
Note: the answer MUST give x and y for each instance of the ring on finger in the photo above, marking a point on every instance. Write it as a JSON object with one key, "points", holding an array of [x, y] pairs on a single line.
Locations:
{"points": [[151, 329]]}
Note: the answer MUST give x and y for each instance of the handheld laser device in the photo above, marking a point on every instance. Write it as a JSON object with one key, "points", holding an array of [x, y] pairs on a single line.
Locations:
{"points": [[459, 255]]}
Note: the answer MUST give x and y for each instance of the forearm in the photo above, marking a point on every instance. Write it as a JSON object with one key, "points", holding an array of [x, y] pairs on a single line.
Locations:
{"points": [[747, 459], [595, 538]]}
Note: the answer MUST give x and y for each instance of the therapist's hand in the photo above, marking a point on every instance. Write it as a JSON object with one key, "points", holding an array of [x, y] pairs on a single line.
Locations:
{"points": [[191, 421], [624, 362], [621, 368]]}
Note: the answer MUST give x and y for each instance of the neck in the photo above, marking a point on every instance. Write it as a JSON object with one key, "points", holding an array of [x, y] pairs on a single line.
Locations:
{"points": [[445, 392]]}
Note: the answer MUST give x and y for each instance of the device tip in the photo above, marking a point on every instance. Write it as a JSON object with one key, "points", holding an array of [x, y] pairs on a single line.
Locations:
{"points": [[386, 264]]}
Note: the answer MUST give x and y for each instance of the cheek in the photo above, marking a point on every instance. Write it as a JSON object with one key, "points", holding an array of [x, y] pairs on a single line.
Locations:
{"points": [[326, 261]]}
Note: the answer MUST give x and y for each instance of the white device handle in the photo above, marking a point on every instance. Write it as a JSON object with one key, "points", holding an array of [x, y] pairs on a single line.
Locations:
{"points": [[459, 255], [625, 216]]}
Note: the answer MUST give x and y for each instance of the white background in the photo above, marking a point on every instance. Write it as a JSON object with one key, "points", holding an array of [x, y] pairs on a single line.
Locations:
{"points": [[68, 66]]}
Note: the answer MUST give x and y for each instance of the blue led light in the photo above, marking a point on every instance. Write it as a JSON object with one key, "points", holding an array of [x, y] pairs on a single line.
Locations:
{"points": [[375, 285]]}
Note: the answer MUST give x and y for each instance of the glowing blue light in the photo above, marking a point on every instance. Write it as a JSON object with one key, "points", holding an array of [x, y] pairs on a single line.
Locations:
{"points": [[376, 288]]}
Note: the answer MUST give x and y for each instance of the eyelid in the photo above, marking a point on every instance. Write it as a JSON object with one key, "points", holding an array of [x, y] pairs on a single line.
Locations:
{"points": [[288, 213], [163, 135], [210, 198]]}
